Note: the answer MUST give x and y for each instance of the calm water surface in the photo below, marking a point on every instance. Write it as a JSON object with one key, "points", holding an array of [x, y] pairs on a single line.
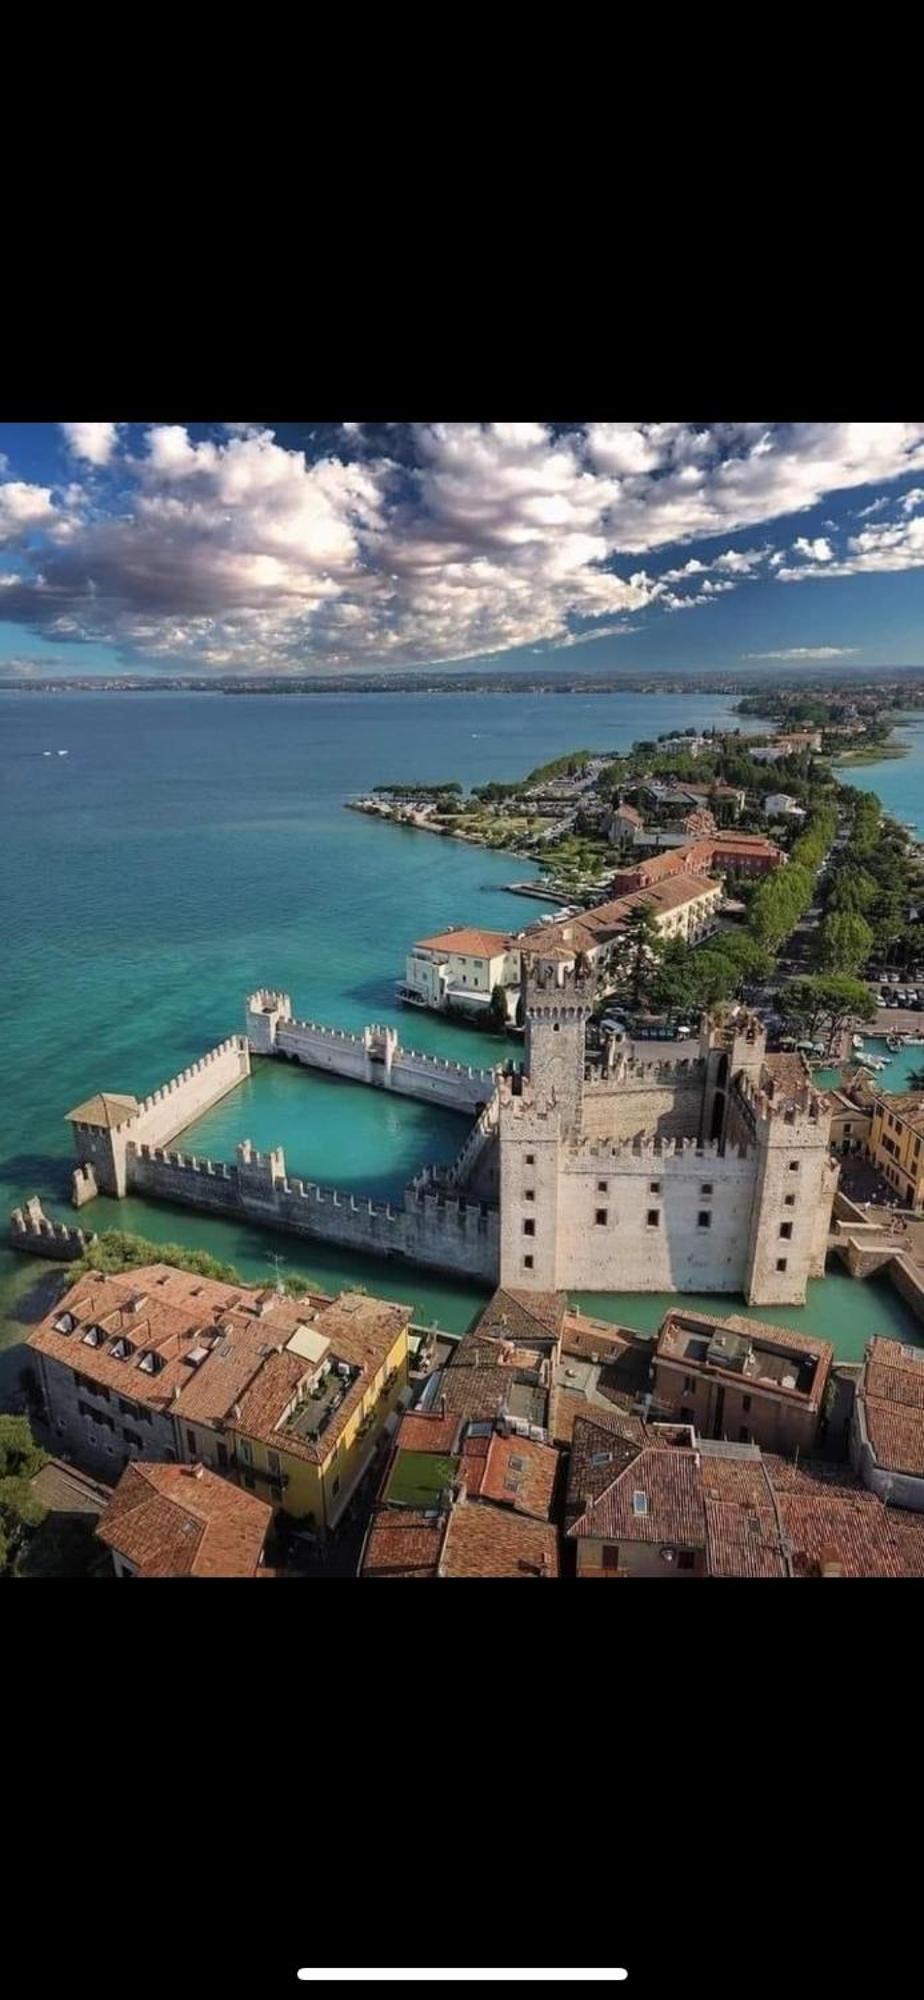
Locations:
{"points": [[191, 847]]}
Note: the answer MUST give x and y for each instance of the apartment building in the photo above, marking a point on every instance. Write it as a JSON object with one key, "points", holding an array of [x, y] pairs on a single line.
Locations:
{"points": [[896, 1143], [740, 1379]]}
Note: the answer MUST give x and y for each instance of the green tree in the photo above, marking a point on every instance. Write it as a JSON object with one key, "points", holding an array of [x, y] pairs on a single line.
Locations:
{"points": [[498, 1008], [826, 1002], [20, 1512], [845, 941], [637, 951]]}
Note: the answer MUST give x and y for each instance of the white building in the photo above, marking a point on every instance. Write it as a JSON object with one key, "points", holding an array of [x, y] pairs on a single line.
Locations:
{"points": [[780, 805], [460, 968]]}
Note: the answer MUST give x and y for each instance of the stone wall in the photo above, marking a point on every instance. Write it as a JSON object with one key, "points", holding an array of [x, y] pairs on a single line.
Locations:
{"points": [[431, 1227], [376, 1057], [679, 1184], [158, 1119], [89, 1425], [33, 1231]]}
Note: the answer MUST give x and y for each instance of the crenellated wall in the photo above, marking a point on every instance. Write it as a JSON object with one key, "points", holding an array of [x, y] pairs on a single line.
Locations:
{"points": [[33, 1231], [102, 1151], [374, 1056], [431, 1227]]}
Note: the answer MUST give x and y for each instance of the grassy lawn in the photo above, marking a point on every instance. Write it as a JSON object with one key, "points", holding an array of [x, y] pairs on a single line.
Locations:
{"points": [[419, 1477]]}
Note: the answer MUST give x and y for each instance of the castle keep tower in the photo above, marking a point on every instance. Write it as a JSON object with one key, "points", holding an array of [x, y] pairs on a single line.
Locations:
{"points": [[558, 1005], [538, 1115], [795, 1182]]}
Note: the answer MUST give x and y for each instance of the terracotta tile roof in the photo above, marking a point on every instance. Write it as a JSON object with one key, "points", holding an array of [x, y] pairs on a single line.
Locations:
{"points": [[847, 1527], [894, 1375], [512, 1314], [470, 943], [907, 1531], [587, 1337], [176, 1520], [896, 1433], [604, 1498], [511, 1471], [362, 1331], [743, 1532], [427, 1430], [477, 1392], [483, 1540], [107, 1108], [173, 1315], [403, 1544]]}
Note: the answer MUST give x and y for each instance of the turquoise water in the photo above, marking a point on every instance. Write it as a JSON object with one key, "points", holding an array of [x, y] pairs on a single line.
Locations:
{"points": [[898, 781], [191, 847], [895, 1076]]}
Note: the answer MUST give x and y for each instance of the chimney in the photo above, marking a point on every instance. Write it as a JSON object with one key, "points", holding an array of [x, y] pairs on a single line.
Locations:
{"points": [[543, 1564], [198, 1470]]}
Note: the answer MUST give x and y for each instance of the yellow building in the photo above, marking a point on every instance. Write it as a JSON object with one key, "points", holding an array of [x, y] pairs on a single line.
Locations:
{"points": [[306, 1428], [896, 1144]]}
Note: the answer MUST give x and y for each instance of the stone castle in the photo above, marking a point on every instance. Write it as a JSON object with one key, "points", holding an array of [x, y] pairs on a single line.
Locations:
{"points": [[708, 1171]]}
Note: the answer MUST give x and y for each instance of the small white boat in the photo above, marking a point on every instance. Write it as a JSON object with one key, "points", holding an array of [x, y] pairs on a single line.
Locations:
{"points": [[856, 1041], [62, 753], [46, 753]]}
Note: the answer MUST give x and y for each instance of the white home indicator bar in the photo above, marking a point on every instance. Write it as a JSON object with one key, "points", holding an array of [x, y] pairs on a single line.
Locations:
{"points": [[466, 1972]]}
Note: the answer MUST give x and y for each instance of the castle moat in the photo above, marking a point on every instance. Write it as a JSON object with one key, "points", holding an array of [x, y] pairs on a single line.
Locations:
{"points": [[179, 863]]}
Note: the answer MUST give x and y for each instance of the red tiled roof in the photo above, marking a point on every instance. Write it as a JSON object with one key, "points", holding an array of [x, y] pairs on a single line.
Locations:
{"points": [[614, 1461], [427, 1430], [403, 1544], [896, 1434], [743, 1533], [894, 1376], [469, 943], [511, 1471], [177, 1520], [484, 1540]]}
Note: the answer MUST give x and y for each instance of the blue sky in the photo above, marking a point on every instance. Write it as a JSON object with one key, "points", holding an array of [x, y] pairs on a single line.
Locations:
{"points": [[271, 548]]}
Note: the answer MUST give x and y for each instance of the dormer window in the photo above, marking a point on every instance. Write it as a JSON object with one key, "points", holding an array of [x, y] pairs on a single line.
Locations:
{"points": [[65, 1323], [121, 1349], [151, 1364], [94, 1336]]}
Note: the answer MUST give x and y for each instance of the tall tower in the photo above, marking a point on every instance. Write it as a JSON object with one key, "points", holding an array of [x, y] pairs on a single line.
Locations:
{"points": [[796, 1179], [558, 1005], [731, 1045]]}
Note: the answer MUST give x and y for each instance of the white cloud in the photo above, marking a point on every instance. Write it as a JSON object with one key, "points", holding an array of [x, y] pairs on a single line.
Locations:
{"points": [[421, 543], [819, 551], [805, 653], [95, 443], [890, 546], [24, 509]]}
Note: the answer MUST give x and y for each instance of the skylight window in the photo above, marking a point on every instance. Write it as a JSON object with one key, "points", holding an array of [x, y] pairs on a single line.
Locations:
{"points": [[639, 1502], [151, 1364], [121, 1349], [93, 1337], [65, 1323]]}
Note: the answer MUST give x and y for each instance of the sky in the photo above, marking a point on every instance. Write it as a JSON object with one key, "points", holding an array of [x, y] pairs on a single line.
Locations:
{"points": [[267, 549]]}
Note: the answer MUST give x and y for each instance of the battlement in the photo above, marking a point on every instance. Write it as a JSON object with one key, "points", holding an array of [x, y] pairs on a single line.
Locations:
{"points": [[267, 1001], [649, 1146], [34, 1232], [184, 1162], [236, 1044], [550, 976], [770, 1104]]}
